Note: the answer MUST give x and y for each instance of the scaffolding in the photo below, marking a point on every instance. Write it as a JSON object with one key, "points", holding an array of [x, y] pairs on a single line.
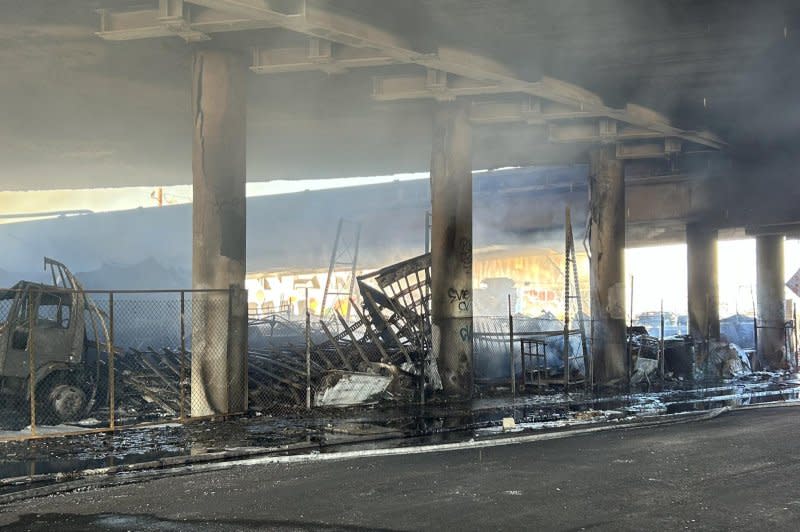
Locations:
{"points": [[344, 254]]}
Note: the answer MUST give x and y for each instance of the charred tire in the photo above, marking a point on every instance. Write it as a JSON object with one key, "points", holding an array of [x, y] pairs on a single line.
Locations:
{"points": [[61, 399]]}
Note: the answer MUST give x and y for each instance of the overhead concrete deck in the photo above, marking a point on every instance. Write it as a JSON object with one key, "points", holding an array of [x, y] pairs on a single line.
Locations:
{"points": [[81, 112]]}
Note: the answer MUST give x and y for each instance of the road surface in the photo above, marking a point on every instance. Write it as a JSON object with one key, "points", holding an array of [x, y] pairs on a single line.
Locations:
{"points": [[737, 471]]}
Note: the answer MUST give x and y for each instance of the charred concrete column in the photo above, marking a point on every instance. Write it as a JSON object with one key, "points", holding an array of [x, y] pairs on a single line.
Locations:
{"points": [[703, 284], [219, 341], [607, 280], [451, 248], [770, 297]]}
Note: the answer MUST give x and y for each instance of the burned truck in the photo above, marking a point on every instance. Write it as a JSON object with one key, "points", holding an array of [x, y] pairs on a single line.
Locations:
{"points": [[50, 335]]}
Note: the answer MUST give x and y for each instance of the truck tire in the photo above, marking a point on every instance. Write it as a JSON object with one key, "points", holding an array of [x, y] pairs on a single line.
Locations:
{"points": [[59, 399], [67, 402]]}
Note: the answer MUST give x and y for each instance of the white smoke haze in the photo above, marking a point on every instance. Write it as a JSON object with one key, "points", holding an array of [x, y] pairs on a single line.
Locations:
{"points": [[78, 112]]}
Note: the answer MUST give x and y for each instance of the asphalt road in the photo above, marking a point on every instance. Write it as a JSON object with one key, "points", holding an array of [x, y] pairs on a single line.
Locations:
{"points": [[738, 471]]}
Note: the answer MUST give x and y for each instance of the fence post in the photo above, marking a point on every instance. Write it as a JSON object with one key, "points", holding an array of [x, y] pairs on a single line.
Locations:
{"points": [[423, 356], [237, 369], [246, 353], [794, 327], [31, 361], [756, 363], [308, 355], [182, 384], [521, 363], [511, 350], [662, 363], [111, 372]]}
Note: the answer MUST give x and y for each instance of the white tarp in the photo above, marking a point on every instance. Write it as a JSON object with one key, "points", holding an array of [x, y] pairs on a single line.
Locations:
{"points": [[351, 389]]}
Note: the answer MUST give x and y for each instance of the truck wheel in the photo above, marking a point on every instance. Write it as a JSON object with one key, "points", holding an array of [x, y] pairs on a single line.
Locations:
{"points": [[67, 402], [59, 400]]}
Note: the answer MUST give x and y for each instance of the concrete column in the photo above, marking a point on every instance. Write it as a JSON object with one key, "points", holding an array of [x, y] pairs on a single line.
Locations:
{"points": [[607, 280], [770, 297], [451, 248], [219, 332], [703, 283]]}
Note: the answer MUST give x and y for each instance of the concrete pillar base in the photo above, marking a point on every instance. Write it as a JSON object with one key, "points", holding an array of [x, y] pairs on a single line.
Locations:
{"points": [[770, 296], [702, 288]]}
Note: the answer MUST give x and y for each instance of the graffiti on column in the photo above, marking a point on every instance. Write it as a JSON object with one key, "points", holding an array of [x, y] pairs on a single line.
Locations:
{"points": [[466, 333], [465, 255], [462, 298]]}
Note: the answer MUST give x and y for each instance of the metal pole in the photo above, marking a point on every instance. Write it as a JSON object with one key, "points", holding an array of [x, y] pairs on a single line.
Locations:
{"points": [[111, 372], [591, 358], [183, 356], [331, 269], [661, 359], [794, 325], [522, 364], [423, 357], [630, 341], [427, 232], [511, 350], [308, 355], [566, 300], [352, 271], [756, 364], [31, 362], [246, 355]]}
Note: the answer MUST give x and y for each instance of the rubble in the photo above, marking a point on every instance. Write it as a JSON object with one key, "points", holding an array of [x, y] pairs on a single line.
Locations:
{"points": [[645, 354], [378, 356], [726, 361]]}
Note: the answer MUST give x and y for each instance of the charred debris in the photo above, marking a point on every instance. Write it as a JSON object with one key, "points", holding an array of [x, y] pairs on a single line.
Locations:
{"points": [[382, 355]]}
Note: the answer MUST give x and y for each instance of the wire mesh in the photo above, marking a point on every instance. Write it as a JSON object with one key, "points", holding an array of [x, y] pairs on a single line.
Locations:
{"points": [[128, 358], [492, 346], [73, 360]]}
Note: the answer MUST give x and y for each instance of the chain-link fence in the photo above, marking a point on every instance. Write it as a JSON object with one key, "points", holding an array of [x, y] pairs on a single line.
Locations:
{"points": [[531, 349], [74, 360], [314, 362]]}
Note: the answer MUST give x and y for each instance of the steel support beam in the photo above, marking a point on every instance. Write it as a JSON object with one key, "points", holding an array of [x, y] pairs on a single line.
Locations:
{"points": [[703, 285], [317, 19], [607, 245], [451, 250], [318, 54], [770, 296], [172, 18], [219, 342]]}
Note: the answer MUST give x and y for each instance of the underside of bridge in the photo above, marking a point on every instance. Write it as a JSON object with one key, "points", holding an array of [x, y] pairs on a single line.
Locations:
{"points": [[685, 112]]}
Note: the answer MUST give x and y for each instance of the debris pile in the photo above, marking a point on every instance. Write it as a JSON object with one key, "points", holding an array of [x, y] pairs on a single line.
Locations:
{"points": [[726, 361], [378, 356]]}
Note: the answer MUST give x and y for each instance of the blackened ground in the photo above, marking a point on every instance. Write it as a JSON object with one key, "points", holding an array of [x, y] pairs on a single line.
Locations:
{"points": [[408, 425], [737, 471]]}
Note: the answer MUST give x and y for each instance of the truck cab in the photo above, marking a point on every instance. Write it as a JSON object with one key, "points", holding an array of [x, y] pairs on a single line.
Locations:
{"points": [[43, 341]]}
